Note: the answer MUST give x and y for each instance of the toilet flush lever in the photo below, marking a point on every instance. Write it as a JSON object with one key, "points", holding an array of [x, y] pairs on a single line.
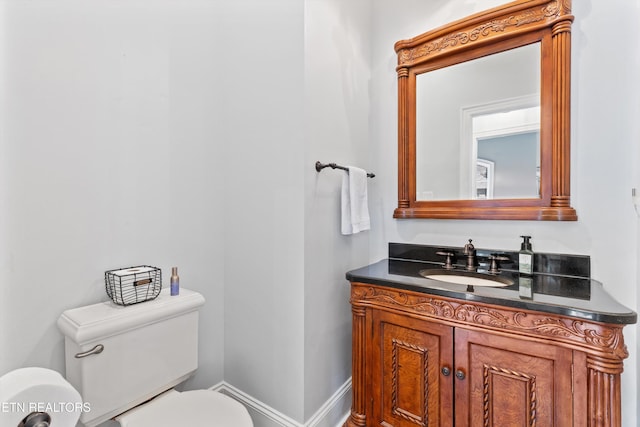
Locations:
{"points": [[95, 350]]}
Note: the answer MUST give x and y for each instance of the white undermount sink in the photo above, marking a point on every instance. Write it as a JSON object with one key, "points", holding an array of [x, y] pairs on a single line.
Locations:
{"points": [[469, 278]]}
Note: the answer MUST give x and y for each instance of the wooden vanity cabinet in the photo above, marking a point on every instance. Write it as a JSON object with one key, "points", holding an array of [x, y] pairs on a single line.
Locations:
{"points": [[425, 360]]}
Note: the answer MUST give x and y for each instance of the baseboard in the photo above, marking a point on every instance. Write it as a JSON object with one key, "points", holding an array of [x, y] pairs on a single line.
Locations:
{"points": [[332, 413], [333, 409]]}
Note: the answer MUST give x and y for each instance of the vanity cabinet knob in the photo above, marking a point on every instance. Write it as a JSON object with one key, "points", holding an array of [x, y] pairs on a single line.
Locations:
{"points": [[446, 371], [460, 374]]}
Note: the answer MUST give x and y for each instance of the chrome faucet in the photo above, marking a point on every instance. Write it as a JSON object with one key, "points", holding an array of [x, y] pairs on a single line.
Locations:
{"points": [[470, 251]]}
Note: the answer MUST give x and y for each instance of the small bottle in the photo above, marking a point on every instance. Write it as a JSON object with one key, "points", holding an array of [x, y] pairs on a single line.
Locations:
{"points": [[525, 257], [175, 281]]}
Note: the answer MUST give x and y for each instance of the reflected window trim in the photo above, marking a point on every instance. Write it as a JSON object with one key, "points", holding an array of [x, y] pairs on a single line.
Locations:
{"points": [[513, 126]]}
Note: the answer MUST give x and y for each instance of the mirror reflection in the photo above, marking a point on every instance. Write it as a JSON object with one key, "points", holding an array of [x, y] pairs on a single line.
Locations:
{"points": [[478, 128]]}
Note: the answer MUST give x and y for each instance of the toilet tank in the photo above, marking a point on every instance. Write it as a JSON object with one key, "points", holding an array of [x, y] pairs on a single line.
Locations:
{"points": [[147, 348]]}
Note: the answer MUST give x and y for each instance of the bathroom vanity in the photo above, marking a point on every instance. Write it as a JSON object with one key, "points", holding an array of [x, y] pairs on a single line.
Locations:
{"points": [[545, 350]]}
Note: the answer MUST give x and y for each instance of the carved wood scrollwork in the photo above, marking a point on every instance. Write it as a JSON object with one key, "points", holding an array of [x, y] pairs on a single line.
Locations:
{"points": [[584, 333], [486, 30]]}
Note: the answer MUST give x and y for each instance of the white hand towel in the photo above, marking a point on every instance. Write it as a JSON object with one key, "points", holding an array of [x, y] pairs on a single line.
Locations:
{"points": [[355, 209]]}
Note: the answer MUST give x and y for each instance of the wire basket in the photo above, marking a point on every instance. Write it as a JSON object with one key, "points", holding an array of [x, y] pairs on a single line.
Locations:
{"points": [[133, 285]]}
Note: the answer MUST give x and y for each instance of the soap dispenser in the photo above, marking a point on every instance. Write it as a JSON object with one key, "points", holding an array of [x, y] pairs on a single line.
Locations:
{"points": [[525, 257], [525, 267]]}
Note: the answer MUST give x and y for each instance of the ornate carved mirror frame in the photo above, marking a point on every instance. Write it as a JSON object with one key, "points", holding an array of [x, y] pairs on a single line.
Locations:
{"points": [[506, 27]]}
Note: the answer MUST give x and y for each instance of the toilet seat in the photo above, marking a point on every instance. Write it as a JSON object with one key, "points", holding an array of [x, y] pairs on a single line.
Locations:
{"points": [[197, 407]]}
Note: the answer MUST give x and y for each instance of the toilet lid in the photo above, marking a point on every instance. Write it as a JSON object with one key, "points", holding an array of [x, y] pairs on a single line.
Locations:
{"points": [[205, 408]]}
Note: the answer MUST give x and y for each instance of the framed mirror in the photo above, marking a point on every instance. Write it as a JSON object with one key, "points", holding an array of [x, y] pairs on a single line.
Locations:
{"points": [[483, 116]]}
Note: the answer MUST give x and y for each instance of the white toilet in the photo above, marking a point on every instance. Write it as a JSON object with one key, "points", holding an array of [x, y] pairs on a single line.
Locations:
{"points": [[124, 361]]}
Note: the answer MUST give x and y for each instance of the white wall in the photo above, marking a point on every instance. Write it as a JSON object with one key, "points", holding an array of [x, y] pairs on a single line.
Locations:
{"points": [[108, 158], [263, 140], [337, 64], [604, 151]]}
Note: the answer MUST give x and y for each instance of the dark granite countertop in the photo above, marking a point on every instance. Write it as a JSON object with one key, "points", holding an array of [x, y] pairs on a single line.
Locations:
{"points": [[578, 297]]}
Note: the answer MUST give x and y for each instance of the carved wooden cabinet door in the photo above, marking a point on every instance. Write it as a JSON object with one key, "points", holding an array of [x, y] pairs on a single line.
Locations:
{"points": [[411, 372], [502, 381]]}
